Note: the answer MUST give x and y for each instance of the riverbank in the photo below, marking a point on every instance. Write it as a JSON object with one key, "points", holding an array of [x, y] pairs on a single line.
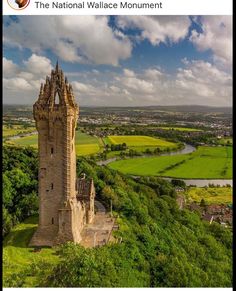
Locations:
{"points": [[211, 163]]}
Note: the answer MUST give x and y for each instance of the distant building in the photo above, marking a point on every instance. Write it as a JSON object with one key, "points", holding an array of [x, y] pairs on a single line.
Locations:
{"points": [[66, 203]]}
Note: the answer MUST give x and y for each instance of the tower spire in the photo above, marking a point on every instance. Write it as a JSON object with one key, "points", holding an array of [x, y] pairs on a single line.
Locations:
{"points": [[57, 66]]}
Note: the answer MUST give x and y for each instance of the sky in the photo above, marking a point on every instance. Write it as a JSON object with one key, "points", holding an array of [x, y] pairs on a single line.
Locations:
{"points": [[121, 60]]}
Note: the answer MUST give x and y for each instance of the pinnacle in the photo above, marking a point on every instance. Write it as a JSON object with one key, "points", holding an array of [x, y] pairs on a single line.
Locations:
{"points": [[57, 66]]}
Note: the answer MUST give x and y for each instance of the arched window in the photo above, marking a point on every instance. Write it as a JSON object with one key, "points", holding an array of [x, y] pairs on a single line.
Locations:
{"points": [[57, 98], [52, 220]]}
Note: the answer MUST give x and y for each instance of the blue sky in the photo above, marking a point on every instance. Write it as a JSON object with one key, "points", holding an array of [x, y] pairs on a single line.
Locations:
{"points": [[121, 60]]}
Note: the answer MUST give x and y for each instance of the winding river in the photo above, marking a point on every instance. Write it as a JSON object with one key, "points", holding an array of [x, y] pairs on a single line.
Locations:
{"points": [[197, 182], [186, 150]]}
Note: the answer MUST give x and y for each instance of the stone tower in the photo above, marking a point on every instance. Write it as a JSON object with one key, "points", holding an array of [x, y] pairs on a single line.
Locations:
{"points": [[61, 214]]}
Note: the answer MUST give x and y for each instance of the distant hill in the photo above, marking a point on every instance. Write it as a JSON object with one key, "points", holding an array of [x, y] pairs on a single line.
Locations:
{"points": [[171, 108]]}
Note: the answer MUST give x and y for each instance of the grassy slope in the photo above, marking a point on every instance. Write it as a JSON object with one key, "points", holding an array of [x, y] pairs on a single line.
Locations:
{"points": [[16, 253], [211, 195], [206, 162]]}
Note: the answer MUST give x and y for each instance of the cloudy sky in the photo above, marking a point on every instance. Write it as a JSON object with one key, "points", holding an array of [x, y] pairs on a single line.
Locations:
{"points": [[122, 60]]}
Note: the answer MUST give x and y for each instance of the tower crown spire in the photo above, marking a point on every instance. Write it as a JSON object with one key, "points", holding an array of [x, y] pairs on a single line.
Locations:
{"points": [[56, 84]]}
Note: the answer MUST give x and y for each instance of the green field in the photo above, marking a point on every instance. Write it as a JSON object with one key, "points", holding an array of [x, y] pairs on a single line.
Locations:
{"points": [[225, 141], [85, 144], [138, 141], [16, 130], [179, 128], [17, 256], [204, 163], [31, 140], [216, 195]]}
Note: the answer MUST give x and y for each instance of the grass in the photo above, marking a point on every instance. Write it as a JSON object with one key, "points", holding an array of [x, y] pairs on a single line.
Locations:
{"points": [[225, 141], [16, 130], [31, 140], [204, 163], [17, 256], [180, 128], [88, 145], [214, 195], [138, 141], [85, 144], [87, 149]]}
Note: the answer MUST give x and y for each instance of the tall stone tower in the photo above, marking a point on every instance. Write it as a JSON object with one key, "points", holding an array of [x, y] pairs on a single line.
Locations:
{"points": [[62, 214]]}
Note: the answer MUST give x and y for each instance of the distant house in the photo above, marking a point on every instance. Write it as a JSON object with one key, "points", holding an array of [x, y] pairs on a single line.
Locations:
{"points": [[179, 189]]}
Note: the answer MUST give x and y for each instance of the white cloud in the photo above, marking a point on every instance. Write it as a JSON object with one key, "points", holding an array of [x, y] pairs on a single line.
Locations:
{"points": [[205, 83], [71, 38], [196, 82], [38, 65], [128, 73], [16, 84], [21, 84], [9, 68], [216, 35], [157, 28]]}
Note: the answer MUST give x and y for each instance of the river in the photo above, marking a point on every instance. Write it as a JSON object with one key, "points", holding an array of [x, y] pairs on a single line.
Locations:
{"points": [[21, 135], [204, 182], [186, 150]]}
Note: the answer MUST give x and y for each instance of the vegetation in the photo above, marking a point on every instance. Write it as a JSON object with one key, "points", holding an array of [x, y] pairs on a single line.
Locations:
{"points": [[11, 130], [217, 163], [20, 183], [161, 246], [225, 141], [19, 261], [137, 141], [218, 195], [85, 144], [180, 128]]}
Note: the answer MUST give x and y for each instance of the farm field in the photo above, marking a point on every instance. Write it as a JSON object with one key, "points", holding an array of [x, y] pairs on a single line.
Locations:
{"points": [[15, 130], [85, 144], [211, 195], [204, 163], [225, 141], [138, 141], [180, 128], [17, 256], [31, 140]]}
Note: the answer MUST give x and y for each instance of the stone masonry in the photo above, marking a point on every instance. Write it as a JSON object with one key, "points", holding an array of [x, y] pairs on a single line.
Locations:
{"points": [[66, 204]]}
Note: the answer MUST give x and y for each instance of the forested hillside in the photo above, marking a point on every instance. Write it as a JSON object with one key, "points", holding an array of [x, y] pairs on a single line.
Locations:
{"points": [[161, 246]]}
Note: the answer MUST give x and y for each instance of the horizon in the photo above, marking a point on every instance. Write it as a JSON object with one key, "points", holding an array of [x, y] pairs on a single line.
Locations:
{"points": [[102, 106]]}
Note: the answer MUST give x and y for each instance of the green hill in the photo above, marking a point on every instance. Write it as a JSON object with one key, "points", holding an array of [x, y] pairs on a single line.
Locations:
{"points": [[159, 245]]}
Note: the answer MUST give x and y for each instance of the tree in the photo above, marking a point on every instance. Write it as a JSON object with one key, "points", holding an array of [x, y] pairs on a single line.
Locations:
{"points": [[203, 203]]}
